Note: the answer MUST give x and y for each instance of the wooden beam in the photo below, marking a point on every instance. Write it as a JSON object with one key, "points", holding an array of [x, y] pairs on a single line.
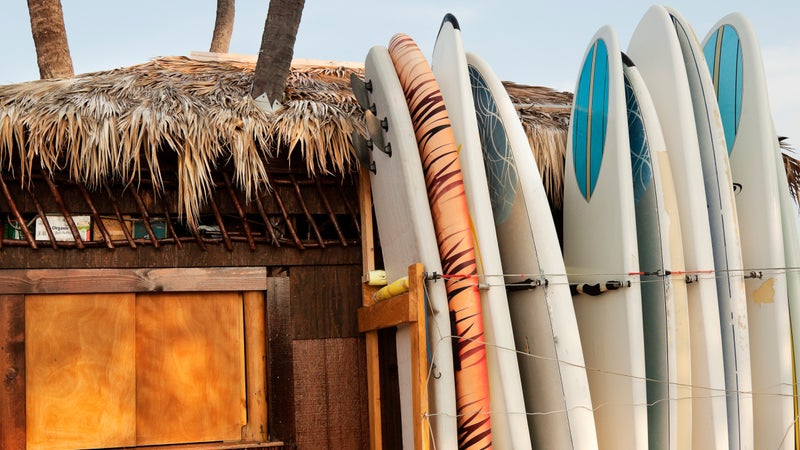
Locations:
{"points": [[255, 340], [46, 281], [367, 238], [169, 256], [368, 263], [12, 372], [280, 357], [388, 313], [419, 357]]}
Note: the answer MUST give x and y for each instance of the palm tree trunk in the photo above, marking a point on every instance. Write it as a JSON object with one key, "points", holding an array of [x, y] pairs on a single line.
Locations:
{"points": [[223, 27], [277, 48], [50, 39]]}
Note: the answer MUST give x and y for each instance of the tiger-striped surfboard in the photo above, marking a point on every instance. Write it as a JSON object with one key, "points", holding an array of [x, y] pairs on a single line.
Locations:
{"points": [[443, 179]]}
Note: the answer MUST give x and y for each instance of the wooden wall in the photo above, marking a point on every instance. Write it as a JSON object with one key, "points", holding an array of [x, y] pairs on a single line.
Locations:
{"points": [[328, 358], [316, 392], [316, 360]]}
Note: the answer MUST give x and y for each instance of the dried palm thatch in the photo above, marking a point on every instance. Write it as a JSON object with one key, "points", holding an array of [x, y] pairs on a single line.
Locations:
{"points": [[112, 125], [545, 117]]}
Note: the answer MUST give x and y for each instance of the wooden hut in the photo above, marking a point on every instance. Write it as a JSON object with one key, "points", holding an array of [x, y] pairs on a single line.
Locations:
{"points": [[178, 266]]}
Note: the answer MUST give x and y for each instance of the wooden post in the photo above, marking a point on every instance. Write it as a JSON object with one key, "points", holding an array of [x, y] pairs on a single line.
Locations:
{"points": [[419, 357], [280, 366], [368, 262], [12, 370], [256, 370]]}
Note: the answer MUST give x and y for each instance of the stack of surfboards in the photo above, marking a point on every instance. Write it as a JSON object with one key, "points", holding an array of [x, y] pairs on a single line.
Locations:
{"points": [[710, 284], [665, 322], [516, 377]]}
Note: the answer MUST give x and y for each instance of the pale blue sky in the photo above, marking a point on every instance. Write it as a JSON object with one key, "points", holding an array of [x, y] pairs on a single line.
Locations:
{"points": [[527, 41]]}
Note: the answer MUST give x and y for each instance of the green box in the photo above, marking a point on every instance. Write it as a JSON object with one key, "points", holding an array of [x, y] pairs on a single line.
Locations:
{"points": [[12, 230], [159, 229]]}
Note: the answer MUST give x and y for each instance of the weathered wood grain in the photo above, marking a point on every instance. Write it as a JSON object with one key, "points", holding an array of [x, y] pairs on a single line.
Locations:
{"points": [[256, 358], [346, 402], [12, 372], [311, 394], [44, 281], [169, 256], [280, 357], [325, 301]]}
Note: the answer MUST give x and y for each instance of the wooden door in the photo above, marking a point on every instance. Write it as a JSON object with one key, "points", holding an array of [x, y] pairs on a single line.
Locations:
{"points": [[190, 383], [115, 370], [80, 357]]}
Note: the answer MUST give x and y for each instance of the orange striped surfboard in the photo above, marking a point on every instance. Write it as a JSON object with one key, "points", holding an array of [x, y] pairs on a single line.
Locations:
{"points": [[451, 220]]}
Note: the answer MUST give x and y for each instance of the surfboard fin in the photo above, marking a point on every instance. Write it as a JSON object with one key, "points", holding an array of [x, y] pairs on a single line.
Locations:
{"points": [[361, 91], [375, 130], [361, 147]]}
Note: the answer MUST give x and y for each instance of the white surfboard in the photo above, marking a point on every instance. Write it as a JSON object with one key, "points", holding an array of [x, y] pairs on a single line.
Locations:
{"points": [[600, 246], [449, 65], [734, 60], [664, 299], [407, 236], [705, 219], [551, 360], [790, 224]]}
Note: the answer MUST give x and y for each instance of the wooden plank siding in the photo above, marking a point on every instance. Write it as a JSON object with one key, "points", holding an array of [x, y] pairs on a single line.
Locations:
{"points": [[325, 301], [331, 400], [12, 371], [281, 402], [169, 256]]}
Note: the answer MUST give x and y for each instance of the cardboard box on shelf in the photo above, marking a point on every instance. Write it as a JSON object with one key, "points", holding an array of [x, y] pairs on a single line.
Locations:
{"points": [[114, 228], [60, 228]]}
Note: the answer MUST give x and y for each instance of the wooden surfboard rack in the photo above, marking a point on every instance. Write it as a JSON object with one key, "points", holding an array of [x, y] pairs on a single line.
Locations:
{"points": [[407, 308]]}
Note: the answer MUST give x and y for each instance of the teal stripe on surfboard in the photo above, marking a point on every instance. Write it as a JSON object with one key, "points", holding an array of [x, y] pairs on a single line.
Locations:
{"points": [[723, 53], [591, 116], [641, 166], [497, 156]]}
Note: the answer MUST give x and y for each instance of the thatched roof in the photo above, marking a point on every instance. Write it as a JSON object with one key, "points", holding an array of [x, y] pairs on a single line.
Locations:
{"points": [[112, 125]]}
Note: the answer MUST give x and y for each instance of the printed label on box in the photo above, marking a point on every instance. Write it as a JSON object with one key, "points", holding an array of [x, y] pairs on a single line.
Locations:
{"points": [[61, 230]]}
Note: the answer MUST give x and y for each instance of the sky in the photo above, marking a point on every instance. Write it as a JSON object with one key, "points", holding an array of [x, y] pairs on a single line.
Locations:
{"points": [[525, 41]]}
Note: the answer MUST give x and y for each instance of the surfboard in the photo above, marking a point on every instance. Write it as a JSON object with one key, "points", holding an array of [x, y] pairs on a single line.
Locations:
{"points": [[545, 329], [449, 65], [733, 58], [441, 167], [407, 235], [664, 299], [791, 244], [709, 253], [600, 246]]}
